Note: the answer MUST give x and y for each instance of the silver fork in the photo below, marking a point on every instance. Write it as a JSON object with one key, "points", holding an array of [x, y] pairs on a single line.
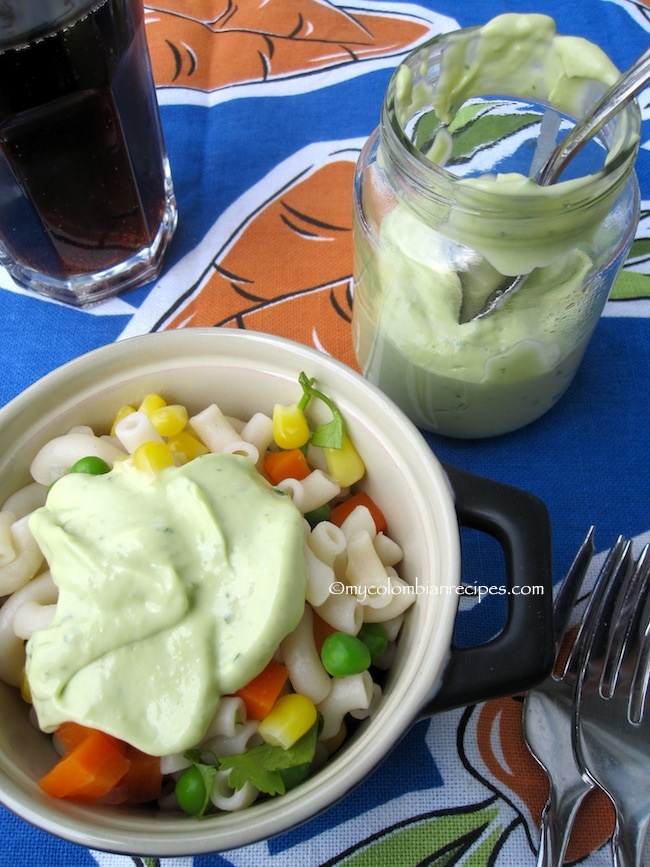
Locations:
{"points": [[612, 722], [548, 711]]}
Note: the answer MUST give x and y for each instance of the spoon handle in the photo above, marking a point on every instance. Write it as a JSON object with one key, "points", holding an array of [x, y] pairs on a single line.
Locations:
{"points": [[634, 80]]}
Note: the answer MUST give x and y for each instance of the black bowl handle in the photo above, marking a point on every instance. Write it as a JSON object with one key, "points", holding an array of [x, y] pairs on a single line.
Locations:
{"points": [[522, 654]]}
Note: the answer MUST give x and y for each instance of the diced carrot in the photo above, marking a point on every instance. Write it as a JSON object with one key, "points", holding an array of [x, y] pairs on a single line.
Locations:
{"points": [[90, 770], [289, 464], [342, 510], [142, 782], [259, 694], [69, 734], [321, 629]]}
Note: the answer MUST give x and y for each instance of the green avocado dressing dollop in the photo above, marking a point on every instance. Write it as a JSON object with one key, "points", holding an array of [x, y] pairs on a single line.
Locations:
{"points": [[173, 590]]}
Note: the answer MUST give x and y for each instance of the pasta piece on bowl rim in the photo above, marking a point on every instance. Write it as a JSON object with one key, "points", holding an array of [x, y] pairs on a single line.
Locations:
{"points": [[245, 373]]}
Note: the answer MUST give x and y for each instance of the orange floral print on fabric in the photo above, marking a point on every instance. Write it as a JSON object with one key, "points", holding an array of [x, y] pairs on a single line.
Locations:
{"points": [[500, 722], [217, 44], [288, 270]]}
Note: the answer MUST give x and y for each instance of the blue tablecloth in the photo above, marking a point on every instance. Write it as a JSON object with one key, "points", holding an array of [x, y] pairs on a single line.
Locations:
{"points": [[265, 106]]}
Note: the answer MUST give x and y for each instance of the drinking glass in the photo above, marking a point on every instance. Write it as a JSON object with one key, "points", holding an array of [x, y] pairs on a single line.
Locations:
{"points": [[87, 205]]}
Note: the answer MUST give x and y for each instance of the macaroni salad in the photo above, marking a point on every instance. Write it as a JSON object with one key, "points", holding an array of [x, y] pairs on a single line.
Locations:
{"points": [[271, 733]]}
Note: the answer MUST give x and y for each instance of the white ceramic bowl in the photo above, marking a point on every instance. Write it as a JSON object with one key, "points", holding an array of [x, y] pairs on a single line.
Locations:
{"points": [[245, 372]]}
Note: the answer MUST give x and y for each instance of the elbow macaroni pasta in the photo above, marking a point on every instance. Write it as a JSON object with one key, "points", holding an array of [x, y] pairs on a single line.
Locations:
{"points": [[399, 599], [224, 797], [351, 693], [41, 591], [320, 578], [258, 431], [366, 572], [358, 521], [136, 429], [388, 551], [57, 456], [218, 434], [26, 561], [312, 492], [343, 611], [7, 549], [242, 738], [300, 656], [25, 500], [328, 543]]}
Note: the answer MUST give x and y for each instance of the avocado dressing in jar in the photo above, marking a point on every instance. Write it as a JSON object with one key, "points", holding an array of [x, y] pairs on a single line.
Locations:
{"points": [[446, 209]]}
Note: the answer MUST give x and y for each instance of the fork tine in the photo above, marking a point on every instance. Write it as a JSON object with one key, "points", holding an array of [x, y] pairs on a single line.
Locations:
{"points": [[610, 745], [547, 721], [608, 598], [616, 564], [570, 587], [624, 624], [641, 632]]}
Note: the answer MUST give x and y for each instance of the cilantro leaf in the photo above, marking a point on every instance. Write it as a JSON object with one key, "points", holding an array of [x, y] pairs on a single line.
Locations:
{"points": [[299, 754], [329, 434], [252, 766], [262, 765]]}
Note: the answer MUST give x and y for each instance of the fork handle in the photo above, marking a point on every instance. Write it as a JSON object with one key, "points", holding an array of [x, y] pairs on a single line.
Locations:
{"points": [[557, 821], [628, 840]]}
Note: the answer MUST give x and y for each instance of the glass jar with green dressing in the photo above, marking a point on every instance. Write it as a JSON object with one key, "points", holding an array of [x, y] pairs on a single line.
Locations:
{"points": [[446, 208]]}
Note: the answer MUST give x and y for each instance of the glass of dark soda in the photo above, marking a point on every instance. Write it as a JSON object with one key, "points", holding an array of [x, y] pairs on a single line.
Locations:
{"points": [[87, 206]]}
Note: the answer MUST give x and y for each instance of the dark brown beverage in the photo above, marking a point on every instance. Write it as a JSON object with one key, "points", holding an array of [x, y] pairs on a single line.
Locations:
{"points": [[84, 183]]}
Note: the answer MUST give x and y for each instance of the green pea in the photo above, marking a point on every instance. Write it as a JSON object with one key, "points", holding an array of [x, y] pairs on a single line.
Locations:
{"points": [[90, 464], [343, 654], [191, 792], [375, 637]]}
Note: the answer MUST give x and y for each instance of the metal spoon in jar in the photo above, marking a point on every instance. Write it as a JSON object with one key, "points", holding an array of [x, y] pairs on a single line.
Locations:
{"points": [[618, 95]]}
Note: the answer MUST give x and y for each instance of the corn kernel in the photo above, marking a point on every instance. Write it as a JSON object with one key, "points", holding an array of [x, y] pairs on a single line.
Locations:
{"points": [[169, 420], [186, 447], [122, 412], [150, 403], [290, 718], [345, 464], [153, 457], [290, 428]]}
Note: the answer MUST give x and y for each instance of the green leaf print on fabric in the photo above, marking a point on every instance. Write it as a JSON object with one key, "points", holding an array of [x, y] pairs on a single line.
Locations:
{"points": [[634, 284], [629, 285], [469, 837], [478, 125]]}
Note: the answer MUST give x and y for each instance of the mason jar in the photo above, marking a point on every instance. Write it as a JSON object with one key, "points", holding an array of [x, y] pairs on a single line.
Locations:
{"points": [[447, 211]]}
